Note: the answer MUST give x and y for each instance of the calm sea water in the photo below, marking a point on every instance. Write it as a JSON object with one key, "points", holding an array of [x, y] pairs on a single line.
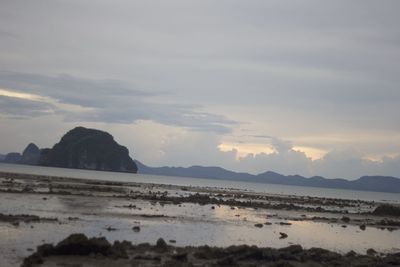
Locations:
{"points": [[181, 181]]}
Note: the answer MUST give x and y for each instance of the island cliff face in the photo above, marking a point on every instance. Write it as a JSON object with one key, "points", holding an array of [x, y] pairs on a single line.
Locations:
{"points": [[83, 148], [31, 155]]}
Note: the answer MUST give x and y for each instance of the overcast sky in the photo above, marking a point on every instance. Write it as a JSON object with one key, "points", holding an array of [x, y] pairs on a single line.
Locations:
{"points": [[296, 87]]}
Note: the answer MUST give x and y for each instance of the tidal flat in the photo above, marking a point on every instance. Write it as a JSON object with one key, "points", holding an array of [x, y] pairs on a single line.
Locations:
{"points": [[38, 209]]}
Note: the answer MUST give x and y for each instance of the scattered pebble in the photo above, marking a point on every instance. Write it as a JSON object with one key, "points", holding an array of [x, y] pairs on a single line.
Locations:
{"points": [[345, 219], [283, 235], [109, 228]]}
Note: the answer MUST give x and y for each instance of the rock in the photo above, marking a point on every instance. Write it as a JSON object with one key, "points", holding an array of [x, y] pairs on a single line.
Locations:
{"points": [[45, 250], [387, 210], [259, 225], [147, 258], [180, 256], [345, 219], [83, 148], [118, 250], [363, 227], [293, 249], [283, 235], [79, 244], [12, 158], [371, 252], [268, 223], [351, 253], [136, 229], [31, 155], [227, 261], [109, 228], [161, 245], [172, 241], [102, 253], [32, 260]]}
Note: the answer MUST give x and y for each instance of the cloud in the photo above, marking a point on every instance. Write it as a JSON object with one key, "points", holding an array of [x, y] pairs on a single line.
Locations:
{"points": [[8, 34], [348, 164], [305, 72], [109, 101], [19, 108]]}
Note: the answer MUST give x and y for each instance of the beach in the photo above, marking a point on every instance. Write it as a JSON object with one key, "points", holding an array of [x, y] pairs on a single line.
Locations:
{"points": [[40, 209]]}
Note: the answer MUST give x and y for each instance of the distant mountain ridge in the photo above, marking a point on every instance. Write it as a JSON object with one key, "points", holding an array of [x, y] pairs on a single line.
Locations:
{"points": [[93, 149], [365, 183]]}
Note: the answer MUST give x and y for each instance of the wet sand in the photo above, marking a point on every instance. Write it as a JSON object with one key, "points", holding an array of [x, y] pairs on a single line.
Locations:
{"points": [[41, 209]]}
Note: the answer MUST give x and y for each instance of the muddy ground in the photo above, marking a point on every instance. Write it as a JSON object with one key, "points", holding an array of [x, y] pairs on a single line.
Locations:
{"points": [[33, 205]]}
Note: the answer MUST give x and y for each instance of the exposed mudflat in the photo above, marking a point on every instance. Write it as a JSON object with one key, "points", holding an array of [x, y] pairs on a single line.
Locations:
{"points": [[39, 209]]}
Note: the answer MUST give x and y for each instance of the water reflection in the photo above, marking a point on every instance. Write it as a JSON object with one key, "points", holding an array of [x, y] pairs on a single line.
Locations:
{"points": [[82, 204]]}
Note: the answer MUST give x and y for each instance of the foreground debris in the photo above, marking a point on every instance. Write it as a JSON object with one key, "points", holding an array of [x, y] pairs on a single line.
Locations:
{"points": [[78, 250]]}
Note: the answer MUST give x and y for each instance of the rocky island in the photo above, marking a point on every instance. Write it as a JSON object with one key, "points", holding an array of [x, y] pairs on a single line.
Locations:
{"points": [[80, 148]]}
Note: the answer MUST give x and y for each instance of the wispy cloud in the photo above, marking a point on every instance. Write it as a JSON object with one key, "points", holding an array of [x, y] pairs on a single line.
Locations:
{"points": [[109, 101]]}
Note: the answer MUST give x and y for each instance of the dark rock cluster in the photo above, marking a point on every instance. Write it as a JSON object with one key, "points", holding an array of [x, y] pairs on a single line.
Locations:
{"points": [[387, 210], [162, 254]]}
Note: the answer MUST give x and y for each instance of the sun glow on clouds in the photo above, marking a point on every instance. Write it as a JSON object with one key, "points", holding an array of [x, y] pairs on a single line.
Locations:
{"points": [[49, 100], [4, 92], [244, 149], [311, 152]]}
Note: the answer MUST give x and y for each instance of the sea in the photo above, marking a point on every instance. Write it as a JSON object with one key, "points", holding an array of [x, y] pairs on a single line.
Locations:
{"points": [[187, 181]]}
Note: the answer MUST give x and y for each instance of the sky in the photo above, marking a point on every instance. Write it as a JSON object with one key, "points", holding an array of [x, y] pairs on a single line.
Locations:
{"points": [[296, 87]]}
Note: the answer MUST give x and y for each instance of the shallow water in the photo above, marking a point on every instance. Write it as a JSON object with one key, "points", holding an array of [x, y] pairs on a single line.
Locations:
{"points": [[188, 224], [256, 187]]}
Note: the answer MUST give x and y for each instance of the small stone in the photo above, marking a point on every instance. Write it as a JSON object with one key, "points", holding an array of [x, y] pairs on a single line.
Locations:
{"points": [[180, 256], [136, 229], [371, 252], [109, 228], [345, 219], [283, 235], [259, 225], [363, 227], [161, 245]]}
